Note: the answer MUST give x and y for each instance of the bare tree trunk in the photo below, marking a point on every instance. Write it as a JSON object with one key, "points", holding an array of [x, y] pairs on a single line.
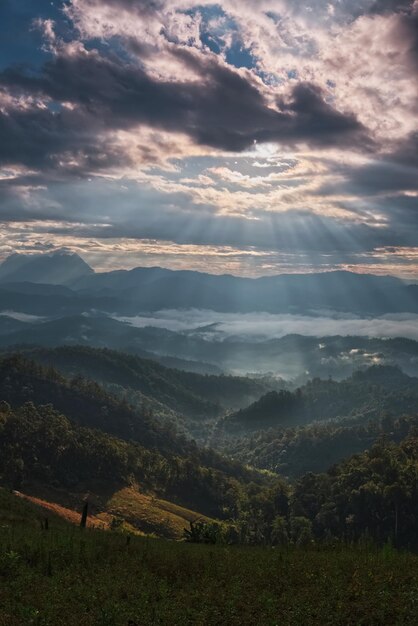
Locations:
{"points": [[83, 521]]}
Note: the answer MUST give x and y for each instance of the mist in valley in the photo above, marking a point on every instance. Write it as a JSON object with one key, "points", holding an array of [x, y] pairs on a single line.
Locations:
{"points": [[261, 326]]}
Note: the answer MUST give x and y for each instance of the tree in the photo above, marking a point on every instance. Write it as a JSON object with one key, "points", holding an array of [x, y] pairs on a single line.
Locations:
{"points": [[279, 534], [301, 530]]}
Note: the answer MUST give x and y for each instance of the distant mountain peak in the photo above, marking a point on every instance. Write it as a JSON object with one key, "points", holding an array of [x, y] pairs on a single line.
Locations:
{"points": [[61, 252], [61, 266]]}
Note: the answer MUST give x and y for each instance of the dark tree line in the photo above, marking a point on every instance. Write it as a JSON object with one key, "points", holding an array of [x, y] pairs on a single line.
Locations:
{"points": [[295, 451], [370, 496]]}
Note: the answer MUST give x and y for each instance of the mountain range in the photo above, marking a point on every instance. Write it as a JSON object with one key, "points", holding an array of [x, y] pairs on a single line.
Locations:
{"points": [[57, 299], [150, 289]]}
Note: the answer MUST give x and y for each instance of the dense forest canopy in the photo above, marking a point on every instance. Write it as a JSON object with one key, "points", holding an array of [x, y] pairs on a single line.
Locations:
{"points": [[366, 393], [74, 434]]}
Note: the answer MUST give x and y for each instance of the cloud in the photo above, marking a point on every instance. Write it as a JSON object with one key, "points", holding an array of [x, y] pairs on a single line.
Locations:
{"points": [[390, 6], [140, 121], [263, 326], [223, 109], [407, 151]]}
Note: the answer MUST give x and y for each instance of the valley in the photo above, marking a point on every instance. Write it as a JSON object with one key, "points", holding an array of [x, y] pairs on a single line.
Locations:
{"points": [[186, 439]]}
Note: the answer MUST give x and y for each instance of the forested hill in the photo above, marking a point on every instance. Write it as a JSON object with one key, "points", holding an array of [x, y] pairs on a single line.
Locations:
{"points": [[165, 390], [72, 434], [366, 393], [41, 447], [373, 494], [316, 447], [86, 403]]}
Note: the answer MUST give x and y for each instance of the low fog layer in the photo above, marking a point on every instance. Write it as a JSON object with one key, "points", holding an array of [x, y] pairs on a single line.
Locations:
{"points": [[261, 326], [22, 317]]}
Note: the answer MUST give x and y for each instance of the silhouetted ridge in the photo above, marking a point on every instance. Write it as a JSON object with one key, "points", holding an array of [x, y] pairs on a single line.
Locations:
{"points": [[59, 267]]}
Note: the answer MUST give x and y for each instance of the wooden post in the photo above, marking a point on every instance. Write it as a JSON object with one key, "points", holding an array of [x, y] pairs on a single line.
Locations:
{"points": [[83, 521]]}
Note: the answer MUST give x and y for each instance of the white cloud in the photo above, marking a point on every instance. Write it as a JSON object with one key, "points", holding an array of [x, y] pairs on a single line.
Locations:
{"points": [[262, 326]]}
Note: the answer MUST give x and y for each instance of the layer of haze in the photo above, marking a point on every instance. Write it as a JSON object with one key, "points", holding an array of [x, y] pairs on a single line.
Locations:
{"points": [[260, 326]]}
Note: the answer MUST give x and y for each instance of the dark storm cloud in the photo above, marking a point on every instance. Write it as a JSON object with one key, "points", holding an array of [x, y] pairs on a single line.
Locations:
{"points": [[34, 137], [222, 109], [68, 142], [317, 119]]}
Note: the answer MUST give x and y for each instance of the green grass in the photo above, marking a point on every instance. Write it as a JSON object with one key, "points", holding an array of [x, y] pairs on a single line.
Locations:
{"points": [[69, 577], [151, 515]]}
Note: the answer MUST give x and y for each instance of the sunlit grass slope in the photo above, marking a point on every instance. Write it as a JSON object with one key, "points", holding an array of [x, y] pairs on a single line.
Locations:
{"points": [[68, 577], [136, 512], [149, 514]]}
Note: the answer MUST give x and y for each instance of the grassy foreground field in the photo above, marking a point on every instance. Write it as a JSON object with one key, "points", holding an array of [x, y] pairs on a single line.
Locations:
{"points": [[65, 576]]}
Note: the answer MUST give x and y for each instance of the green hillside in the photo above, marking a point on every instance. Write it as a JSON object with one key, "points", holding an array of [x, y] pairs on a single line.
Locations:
{"points": [[315, 447], [366, 393], [68, 577], [62, 438], [83, 401], [190, 400], [40, 445]]}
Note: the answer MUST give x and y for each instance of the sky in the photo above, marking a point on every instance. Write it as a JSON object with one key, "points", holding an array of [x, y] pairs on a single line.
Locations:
{"points": [[250, 137]]}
